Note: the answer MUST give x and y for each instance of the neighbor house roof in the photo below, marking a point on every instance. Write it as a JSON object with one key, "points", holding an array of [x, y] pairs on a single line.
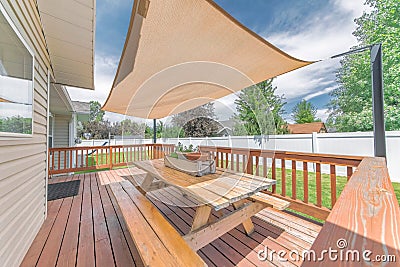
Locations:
{"points": [[81, 107], [307, 128], [180, 54], [69, 30]]}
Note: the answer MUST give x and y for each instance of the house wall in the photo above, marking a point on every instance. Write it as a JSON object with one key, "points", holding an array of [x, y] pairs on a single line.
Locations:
{"points": [[61, 137], [23, 159]]}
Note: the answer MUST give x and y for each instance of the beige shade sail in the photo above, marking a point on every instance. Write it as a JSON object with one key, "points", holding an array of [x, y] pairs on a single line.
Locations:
{"points": [[4, 100], [69, 29], [180, 54]]}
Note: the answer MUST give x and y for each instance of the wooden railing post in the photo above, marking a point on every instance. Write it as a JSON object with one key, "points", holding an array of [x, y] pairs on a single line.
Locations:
{"points": [[249, 168], [111, 157], [154, 151]]}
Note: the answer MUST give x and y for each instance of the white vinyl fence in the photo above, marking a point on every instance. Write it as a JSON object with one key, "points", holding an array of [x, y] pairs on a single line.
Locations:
{"points": [[357, 144]]}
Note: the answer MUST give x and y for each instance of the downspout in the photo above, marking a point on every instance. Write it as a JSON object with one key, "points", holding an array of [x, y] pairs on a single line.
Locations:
{"points": [[47, 141]]}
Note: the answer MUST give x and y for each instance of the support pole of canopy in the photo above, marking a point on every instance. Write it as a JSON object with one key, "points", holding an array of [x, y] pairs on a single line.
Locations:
{"points": [[154, 131], [377, 96], [378, 101]]}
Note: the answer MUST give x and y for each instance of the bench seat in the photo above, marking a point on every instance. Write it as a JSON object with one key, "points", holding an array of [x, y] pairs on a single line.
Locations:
{"points": [[158, 243], [275, 202]]}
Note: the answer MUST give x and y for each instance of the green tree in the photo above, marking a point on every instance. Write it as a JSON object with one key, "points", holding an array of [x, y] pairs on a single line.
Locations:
{"points": [[16, 124], [259, 111], [304, 112], [96, 114], [97, 129], [351, 104], [129, 127], [197, 122]]}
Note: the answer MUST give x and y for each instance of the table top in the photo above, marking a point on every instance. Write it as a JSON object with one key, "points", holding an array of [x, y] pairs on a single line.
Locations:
{"points": [[218, 190]]}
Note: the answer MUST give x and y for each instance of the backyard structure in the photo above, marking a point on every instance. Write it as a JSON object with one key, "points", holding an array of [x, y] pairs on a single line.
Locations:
{"points": [[91, 228]]}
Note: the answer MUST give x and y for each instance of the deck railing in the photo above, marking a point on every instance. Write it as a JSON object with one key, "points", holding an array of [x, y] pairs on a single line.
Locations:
{"points": [[299, 176], [309, 181], [74, 159], [363, 227]]}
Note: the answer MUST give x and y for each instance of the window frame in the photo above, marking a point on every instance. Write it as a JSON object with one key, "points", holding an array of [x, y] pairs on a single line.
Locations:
{"points": [[30, 51]]}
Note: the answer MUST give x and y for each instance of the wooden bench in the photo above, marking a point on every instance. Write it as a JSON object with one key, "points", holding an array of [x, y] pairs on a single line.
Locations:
{"points": [[275, 202], [158, 243]]}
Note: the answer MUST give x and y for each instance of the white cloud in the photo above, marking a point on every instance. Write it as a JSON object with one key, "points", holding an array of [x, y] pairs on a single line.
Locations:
{"points": [[321, 92], [322, 114], [319, 39], [105, 69]]}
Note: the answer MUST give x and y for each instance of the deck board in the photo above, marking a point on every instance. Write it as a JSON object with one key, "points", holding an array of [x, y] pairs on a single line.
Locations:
{"points": [[89, 230], [69, 250]]}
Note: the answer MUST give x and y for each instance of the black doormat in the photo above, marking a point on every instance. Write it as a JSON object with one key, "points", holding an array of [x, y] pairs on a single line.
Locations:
{"points": [[62, 190]]}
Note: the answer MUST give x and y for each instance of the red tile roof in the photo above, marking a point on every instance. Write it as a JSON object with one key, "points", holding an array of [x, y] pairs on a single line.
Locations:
{"points": [[307, 128]]}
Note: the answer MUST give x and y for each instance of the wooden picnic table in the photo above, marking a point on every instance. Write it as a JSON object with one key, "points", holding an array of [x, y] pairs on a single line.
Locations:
{"points": [[213, 191]]}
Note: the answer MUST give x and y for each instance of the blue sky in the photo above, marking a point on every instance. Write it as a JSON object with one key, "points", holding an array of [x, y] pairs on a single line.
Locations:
{"points": [[307, 29]]}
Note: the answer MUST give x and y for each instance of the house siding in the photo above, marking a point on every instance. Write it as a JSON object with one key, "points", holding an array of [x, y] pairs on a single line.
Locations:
{"points": [[61, 136], [23, 159]]}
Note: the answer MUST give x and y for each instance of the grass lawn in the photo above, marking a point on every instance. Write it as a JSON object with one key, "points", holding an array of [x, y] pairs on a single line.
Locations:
{"points": [[312, 196], [312, 187], [103, 159], [396, 187]]}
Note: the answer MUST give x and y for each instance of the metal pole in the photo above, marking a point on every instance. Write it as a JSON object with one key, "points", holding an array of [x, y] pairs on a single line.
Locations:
{"points": [[378, 101], [154, 131]]}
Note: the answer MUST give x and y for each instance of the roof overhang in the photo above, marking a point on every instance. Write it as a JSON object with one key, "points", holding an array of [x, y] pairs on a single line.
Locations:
{"points": [[180, 54], [69, 29], [60, 101]]}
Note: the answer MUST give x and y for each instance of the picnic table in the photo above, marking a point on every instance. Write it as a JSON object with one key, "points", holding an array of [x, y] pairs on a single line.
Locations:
{"points": [[213, 192]]}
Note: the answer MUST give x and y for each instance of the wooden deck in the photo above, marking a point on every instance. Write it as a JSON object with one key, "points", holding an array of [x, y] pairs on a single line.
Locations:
{"points": [[88, 230]]}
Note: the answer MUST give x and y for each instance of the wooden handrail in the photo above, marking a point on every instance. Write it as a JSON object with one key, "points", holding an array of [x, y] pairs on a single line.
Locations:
{"points": [[72, 159], [265, 163], [365, 218]]}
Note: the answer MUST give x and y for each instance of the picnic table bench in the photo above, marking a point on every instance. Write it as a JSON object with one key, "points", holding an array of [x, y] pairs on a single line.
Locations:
{"points": [[158, 243]]}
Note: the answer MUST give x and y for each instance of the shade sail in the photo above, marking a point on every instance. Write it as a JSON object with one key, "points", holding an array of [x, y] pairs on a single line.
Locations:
{"points": [[4, 100], [180, 54], [69, 29]]}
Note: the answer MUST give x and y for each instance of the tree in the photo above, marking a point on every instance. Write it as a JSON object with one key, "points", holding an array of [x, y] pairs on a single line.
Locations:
{"points": [[259, 111], [129, 127], [97, 129], [304, 112], [96, 114], [351, 104], [16, 124], [197, 122]]}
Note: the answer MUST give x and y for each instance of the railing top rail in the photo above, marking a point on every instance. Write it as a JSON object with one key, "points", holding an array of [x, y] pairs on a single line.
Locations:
{"points": [[365, 216], [108, 146], [278, 153]]}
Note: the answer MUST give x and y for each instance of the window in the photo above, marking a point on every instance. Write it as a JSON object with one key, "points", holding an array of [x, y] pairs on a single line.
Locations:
{"points": [[16, 80]]}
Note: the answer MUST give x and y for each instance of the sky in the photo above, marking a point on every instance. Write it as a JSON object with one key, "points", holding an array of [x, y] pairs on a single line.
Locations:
{"points": [[307, 29]]}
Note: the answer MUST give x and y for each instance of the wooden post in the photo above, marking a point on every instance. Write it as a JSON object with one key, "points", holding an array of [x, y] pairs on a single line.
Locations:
{"points": [[249, 168], [111, 157]]}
